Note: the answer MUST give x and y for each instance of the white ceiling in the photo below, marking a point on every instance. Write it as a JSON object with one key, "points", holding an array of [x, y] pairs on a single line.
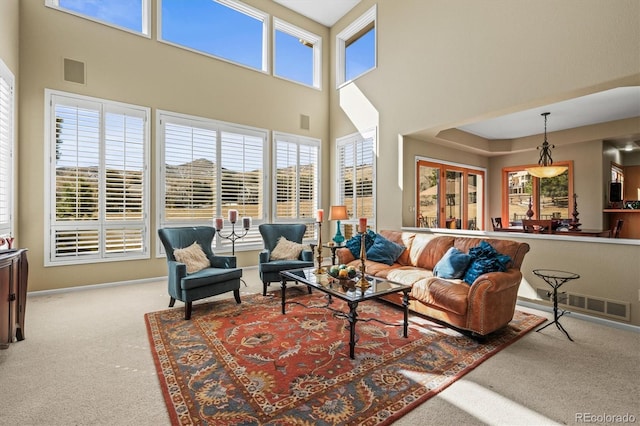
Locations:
{"points": [[326, 12], [610, 105]]}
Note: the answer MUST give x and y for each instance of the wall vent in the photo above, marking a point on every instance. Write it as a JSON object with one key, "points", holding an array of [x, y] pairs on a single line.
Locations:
{"points": [[74, 71], [304, 122], [590, 304]]}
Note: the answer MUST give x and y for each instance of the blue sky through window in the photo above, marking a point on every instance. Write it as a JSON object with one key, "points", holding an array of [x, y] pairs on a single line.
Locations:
{"points": [[124, 13], [294, 60], [360, 55]]}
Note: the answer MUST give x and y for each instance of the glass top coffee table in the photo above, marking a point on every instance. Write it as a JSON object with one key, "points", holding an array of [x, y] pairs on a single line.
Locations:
{"points": [[351, 293]]}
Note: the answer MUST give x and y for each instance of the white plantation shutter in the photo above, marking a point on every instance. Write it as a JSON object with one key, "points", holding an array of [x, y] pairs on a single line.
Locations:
{"points": [[195, 190], [99, 185], [297, 177], [190, 175], [6, 149], [356, 175]]}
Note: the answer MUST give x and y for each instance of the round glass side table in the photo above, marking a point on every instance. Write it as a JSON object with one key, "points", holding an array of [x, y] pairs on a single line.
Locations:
{"points": [[555, 279]]}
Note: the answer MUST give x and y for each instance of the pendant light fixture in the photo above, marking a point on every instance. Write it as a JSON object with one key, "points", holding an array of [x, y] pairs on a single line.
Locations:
{"points": [[545, 168]]}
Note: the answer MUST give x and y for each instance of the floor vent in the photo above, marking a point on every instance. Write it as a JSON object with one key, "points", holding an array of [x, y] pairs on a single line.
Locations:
{"points": [[580, 302]]}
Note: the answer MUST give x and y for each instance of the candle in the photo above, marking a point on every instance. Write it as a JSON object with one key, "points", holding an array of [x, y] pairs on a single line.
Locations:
{"points": [[219, 223], [363, 224], [246, 222], [319, 215], [233, 216]]}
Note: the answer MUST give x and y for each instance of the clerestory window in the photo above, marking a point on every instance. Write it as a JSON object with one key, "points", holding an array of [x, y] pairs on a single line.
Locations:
{"points": [[356, 48], [129, 15], [98, 194], [297, 54], [225, 29]]}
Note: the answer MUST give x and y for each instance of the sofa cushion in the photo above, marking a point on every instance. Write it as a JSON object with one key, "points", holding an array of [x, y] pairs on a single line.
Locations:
{"points": [[450, 295], [484, 258], [193, 257], [405, 274], [384, 251], [404, 239], [453, 264], [353, 243], [431, 250]]}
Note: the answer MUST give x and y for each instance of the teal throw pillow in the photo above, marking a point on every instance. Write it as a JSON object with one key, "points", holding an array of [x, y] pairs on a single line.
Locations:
{"points": [[384, 251], [453, 264], [353, 243], [484, 258]]}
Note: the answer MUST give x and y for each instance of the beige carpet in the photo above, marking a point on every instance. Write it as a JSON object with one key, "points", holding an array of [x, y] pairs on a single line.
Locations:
{"points": [[86, 361]]}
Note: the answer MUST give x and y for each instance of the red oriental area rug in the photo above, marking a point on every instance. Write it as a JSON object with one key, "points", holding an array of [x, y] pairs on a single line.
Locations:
{"points": [[249, 364]]}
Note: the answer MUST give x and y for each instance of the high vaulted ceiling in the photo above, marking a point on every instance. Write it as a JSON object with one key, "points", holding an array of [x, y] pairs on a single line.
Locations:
{"points": [[326, 12]]}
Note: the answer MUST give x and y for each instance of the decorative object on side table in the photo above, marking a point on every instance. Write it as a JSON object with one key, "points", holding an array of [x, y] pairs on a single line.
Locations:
{"points": [[338, 213], [574, 225], [363, 283], [319, 217], [233, 236]]}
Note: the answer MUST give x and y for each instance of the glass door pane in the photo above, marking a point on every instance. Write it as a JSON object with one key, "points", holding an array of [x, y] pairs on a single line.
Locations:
{"points": [[453, 194], [428, 213], [475, 204]]}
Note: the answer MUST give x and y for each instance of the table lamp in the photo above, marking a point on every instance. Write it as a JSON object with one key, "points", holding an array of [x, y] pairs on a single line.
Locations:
{"points": [[338, 213]]}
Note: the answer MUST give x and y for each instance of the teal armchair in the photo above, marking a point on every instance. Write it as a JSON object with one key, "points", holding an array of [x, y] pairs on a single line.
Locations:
{"points": [[220, 277], [269, 269]]}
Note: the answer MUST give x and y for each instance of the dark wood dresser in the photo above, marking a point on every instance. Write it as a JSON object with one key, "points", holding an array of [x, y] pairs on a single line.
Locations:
{"points": [[14, 270]]}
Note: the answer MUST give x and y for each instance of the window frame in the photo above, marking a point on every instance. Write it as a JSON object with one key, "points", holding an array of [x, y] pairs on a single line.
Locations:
{"points": [[145, 24], [240, 7], [301, 34], [7, 148], [298, 141], [354, 140], [350, 34], [444, 167], [102, 225], [253, 240], [535, 202]]}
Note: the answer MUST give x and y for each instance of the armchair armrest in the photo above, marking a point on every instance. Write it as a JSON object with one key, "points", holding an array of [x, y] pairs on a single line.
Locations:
{"points": [[176, 271], [344, 255], [264, 256], [306, 255], [226, 262]]}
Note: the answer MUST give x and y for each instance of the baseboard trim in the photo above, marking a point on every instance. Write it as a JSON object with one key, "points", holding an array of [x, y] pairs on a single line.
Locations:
{"points": [[102, 285], [580, 316], [93, 286]]}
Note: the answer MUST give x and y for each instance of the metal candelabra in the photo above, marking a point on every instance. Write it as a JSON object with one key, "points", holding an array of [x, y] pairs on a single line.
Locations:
{"points": [[233, 236]]}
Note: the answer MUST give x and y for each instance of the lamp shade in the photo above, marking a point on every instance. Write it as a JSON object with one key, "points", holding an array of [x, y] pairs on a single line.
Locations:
{"points": [[546, 171], [338, 213]]}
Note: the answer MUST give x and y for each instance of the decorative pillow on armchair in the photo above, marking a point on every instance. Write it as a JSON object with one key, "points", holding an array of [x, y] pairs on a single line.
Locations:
{"points": [[453, 264], [286, 250], [384, 251], [193, 257], [484, 258]]}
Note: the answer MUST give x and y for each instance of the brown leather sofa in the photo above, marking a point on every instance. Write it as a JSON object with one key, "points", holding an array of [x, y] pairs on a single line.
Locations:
{"points": [[486, 305]]}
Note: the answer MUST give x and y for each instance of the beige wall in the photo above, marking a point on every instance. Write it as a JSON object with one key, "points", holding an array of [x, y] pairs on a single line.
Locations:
{"points": [[133, 69], [444, 64]]}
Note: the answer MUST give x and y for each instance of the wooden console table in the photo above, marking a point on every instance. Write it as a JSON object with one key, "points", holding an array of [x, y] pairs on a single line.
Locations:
{"points": [[14, 270]]}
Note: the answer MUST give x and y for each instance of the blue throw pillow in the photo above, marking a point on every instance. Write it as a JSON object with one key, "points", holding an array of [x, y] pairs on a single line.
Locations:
{"points": [[453, 264], [384, 251], [353, 243], [484, 258]]}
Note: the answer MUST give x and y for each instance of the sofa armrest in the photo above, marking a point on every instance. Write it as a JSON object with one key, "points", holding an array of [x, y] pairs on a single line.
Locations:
{"points": [[344, 256], [496, 281], [492, 300]]}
